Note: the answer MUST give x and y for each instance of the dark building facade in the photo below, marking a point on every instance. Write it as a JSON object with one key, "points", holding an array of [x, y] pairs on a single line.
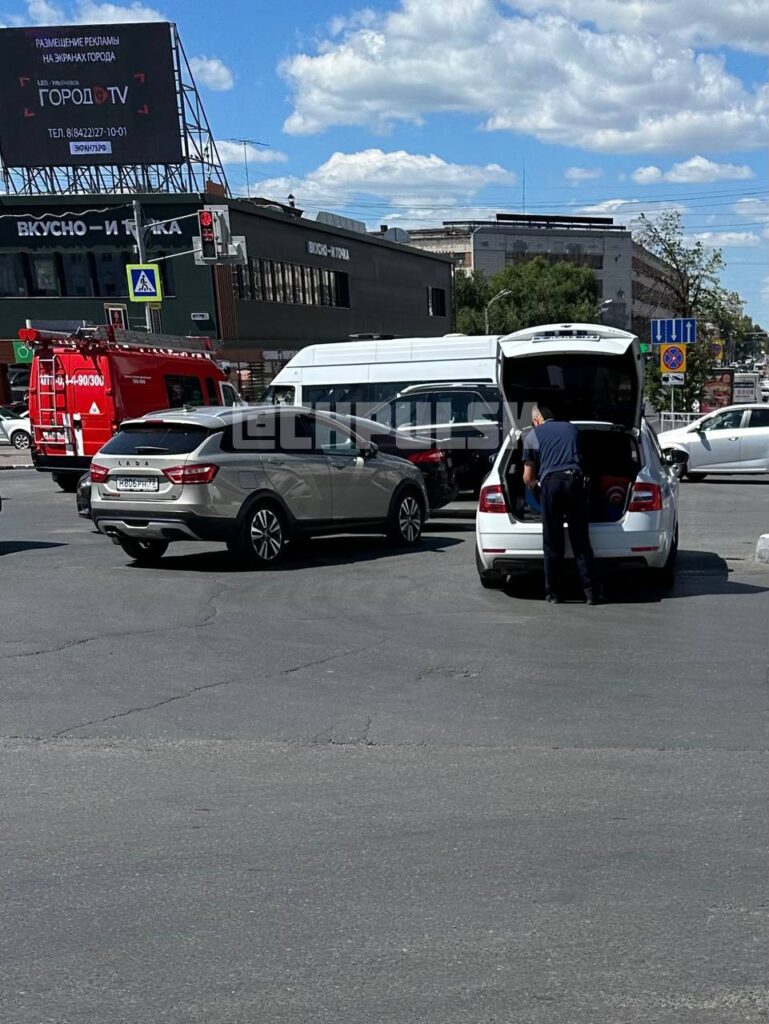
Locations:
{"points": [[303, 281]]}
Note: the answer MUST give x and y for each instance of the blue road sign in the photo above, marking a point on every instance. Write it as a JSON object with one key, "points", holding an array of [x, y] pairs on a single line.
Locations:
{"points": [[144, 282], [679, 331]]}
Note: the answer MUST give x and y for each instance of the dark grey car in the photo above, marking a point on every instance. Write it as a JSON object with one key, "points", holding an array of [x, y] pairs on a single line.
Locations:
{"points": [[253, 478]]}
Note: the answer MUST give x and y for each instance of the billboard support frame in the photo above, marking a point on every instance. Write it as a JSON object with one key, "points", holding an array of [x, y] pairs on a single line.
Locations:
{"points": [[200, 166]]}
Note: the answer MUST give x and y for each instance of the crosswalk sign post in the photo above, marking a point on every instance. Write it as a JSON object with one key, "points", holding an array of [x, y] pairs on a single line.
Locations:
{"points": [[144, 282]]}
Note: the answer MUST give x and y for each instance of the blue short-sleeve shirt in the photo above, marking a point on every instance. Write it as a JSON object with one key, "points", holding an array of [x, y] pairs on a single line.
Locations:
{"points": [[552, 447]]}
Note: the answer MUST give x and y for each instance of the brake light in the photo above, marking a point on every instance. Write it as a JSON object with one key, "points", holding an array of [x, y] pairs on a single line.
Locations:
{"points": [[492, 499], [645, 498], [195, 474], [98, 473], [420, 458]]}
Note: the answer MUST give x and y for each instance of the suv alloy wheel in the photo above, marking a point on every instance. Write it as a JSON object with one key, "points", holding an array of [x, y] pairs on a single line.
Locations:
{"points": [[263, 536], [406, 519]]}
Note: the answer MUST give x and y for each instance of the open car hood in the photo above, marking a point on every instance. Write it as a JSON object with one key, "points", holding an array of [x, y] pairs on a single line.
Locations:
{"points": [[584, 372]]}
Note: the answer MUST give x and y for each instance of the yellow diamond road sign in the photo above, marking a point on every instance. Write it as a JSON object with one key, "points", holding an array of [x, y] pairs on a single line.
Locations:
{"points": [[673, 358], [144, 282]]}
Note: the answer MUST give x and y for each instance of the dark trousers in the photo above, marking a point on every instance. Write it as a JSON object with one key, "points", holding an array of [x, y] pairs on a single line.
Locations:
{"points": [[564, 499]]}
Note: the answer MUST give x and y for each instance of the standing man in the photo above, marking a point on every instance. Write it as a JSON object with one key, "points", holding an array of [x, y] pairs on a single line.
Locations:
{"points": [[552, 459]]}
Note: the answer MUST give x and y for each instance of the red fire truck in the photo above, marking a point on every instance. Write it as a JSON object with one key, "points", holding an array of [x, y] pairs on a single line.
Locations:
{"points": [[83, 385]]}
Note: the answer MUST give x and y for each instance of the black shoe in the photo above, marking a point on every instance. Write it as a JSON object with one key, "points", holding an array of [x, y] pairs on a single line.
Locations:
{"points": [[553, 599], [593, 596]]}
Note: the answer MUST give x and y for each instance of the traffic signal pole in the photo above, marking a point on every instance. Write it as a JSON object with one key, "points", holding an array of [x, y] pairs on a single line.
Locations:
{"points": [[140, 251]]}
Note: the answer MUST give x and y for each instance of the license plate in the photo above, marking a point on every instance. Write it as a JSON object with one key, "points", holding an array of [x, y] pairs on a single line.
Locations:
{"points": [[136, 483]]}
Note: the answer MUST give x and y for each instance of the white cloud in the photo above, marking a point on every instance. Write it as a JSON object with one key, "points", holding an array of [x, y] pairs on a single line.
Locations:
{"points": [[231, 152], [576, 175], [86, 12], [647, 175], [726, 239], [696, 170], [544, 76], [740, 24], [212, 72], [755, 211], [628, 211], [89, 13], [411, 187]]}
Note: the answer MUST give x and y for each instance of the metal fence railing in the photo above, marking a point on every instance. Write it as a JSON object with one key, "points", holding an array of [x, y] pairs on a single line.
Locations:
{"points": [[674, 420]]}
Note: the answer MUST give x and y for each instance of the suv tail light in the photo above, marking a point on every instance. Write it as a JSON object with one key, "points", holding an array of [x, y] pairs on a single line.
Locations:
{"points": [[420, 458], [645, 498], [194, 474], [98, 473], [492, 499]]}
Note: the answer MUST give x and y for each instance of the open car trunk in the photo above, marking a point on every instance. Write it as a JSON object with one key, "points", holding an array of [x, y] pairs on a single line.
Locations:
{"points": [[611, 460]]}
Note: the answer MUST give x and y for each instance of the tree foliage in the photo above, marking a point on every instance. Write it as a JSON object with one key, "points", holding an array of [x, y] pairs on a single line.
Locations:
{"points": [[690, 279], [539, 292], [691, 270]]}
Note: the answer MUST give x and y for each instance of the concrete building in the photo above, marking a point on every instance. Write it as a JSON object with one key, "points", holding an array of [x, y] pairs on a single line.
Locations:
{"points": [[304, 281], [627, 274]]}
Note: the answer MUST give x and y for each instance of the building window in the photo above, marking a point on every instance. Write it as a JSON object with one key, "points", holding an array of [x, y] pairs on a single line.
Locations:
{"points": [[296, 284], [44, 276], [110, 273], [436, 302], [255, 272], [13, 280], [78, 278]]}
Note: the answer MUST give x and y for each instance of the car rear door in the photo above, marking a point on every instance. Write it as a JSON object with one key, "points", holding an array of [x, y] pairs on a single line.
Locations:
{"points": [[360, 487], [754, 441], [584, 372], [299, 473]]}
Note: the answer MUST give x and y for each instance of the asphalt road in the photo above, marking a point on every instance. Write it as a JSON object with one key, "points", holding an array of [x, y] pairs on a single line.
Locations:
{"points": [[363, 789]]}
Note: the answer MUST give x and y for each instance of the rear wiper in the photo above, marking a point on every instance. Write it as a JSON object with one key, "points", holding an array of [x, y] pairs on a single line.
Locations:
{"points": [[149, 449]]}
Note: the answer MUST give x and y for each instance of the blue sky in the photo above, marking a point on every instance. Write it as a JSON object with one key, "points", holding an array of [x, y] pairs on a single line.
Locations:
{"points": [[409, 112]]}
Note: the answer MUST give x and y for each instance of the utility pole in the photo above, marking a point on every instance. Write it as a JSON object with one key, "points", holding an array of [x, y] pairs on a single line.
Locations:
{"points": [[140, 250]]}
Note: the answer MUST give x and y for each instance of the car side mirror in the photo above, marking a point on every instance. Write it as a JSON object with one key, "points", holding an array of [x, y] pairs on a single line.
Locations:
{"points": [[676, 460], [369, 451]]}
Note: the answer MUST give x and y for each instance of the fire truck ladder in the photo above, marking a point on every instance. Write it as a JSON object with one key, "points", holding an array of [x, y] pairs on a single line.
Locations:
{"points": [[51, 417], [107, 336]]}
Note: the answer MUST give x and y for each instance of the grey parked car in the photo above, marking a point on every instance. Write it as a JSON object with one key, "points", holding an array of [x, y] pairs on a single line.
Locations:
{"points": [[253, 478]]}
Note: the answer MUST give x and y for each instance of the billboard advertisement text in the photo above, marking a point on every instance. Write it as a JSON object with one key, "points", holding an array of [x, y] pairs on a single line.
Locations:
{"points": [[88, 94]]}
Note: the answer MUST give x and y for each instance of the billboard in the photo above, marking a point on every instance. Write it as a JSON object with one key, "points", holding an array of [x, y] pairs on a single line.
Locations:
{"points": [[88, 94]]}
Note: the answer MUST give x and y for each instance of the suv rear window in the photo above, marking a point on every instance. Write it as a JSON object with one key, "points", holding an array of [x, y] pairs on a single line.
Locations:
{"points": [[167, 439]]}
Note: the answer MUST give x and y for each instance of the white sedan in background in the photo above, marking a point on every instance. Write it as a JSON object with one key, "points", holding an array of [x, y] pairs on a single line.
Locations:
{"points": [[731, 440], [15, 429]]}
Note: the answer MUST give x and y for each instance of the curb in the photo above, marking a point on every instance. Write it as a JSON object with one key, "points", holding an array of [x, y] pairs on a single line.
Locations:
{"points": [[19, 465], [762, 548]]}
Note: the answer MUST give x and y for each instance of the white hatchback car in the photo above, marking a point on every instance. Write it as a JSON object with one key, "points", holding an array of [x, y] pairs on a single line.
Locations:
{"points": [[732, 440], [594, 376], [15, 429]]}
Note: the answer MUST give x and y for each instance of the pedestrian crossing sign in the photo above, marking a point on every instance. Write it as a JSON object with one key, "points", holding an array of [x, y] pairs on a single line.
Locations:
{"points": [[144, 282]]}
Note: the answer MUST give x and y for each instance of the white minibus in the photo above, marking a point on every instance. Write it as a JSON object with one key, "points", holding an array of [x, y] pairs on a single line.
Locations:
{"points": [[358, 375]]}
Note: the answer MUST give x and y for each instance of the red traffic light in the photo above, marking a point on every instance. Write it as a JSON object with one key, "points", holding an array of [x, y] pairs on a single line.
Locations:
{"points": [[206, 218]]}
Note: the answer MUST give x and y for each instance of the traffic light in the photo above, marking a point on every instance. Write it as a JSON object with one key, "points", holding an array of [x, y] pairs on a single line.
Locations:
{"points": [[207, 230]]}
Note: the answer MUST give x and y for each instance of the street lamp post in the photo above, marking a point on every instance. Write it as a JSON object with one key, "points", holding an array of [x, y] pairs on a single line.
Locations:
{"points": [[603, 307], [490, 303]]}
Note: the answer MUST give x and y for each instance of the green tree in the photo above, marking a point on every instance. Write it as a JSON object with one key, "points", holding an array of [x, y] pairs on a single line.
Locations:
{"points": [[690, 270], [540, 292], [690, 280]]}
